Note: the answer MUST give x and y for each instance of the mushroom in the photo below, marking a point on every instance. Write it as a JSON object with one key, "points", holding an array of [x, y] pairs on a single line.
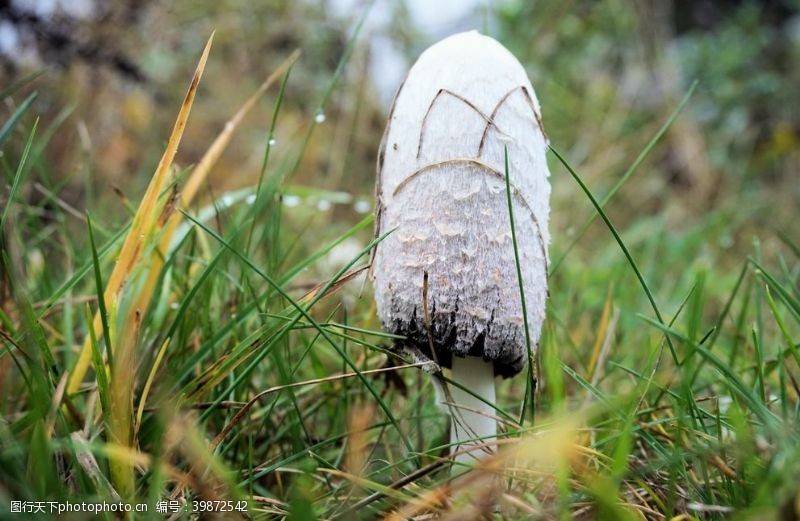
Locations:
{"points": [[445, 275]]}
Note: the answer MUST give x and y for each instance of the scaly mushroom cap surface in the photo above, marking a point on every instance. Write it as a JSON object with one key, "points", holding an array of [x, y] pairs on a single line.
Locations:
{"points": [[441, 188]]}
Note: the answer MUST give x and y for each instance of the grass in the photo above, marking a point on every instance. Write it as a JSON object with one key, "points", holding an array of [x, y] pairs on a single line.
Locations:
{"points": [[202, 354]]}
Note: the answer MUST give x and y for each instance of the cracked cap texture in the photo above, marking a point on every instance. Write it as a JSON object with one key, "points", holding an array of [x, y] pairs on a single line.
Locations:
{"points": [[441, 192]]}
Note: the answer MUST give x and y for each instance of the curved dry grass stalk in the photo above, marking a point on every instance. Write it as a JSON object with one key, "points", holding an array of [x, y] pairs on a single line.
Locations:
{"points": [[199, 175], [249, 405], [143, 222]]}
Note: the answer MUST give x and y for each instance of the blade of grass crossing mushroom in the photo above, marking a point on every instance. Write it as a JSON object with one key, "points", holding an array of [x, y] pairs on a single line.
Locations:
{"points": [[529, 387], [622, 246], [143, 222], [501, 413], [628, 173], [304, 311]]}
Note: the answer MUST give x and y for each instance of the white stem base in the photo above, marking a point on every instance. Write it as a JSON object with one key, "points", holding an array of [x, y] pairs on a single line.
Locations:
{"points": [[471, 418]]}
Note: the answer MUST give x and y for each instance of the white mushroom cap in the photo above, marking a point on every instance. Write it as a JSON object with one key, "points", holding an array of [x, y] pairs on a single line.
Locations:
{"points": [[441, 188]]}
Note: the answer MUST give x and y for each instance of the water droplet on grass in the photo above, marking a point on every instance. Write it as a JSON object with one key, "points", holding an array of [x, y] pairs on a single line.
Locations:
{"points": [[361, 206], [291, 200], [320, 117]]}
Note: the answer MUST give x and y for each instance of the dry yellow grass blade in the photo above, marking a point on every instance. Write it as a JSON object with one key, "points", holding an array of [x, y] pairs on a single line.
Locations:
{"points": [[601, 334], [199, 175], [211, 478], [120, 417], [313, 293], [113, 452], [168, 221], [358, 422], [143, 222], [120, 424], [366, 484], [148, 383]]}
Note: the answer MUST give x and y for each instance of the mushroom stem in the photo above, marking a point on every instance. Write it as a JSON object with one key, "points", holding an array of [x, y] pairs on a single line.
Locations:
{"points": [[472, 419]]}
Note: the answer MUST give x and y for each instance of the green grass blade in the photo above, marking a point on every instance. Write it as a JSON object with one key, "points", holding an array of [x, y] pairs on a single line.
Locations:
{"points": [[628, 173], [529, 387], [9, 125], [757, 406], [14, 87], [99, 366], [622, 246], [101, 301], [304, 312], [18, 176]]}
